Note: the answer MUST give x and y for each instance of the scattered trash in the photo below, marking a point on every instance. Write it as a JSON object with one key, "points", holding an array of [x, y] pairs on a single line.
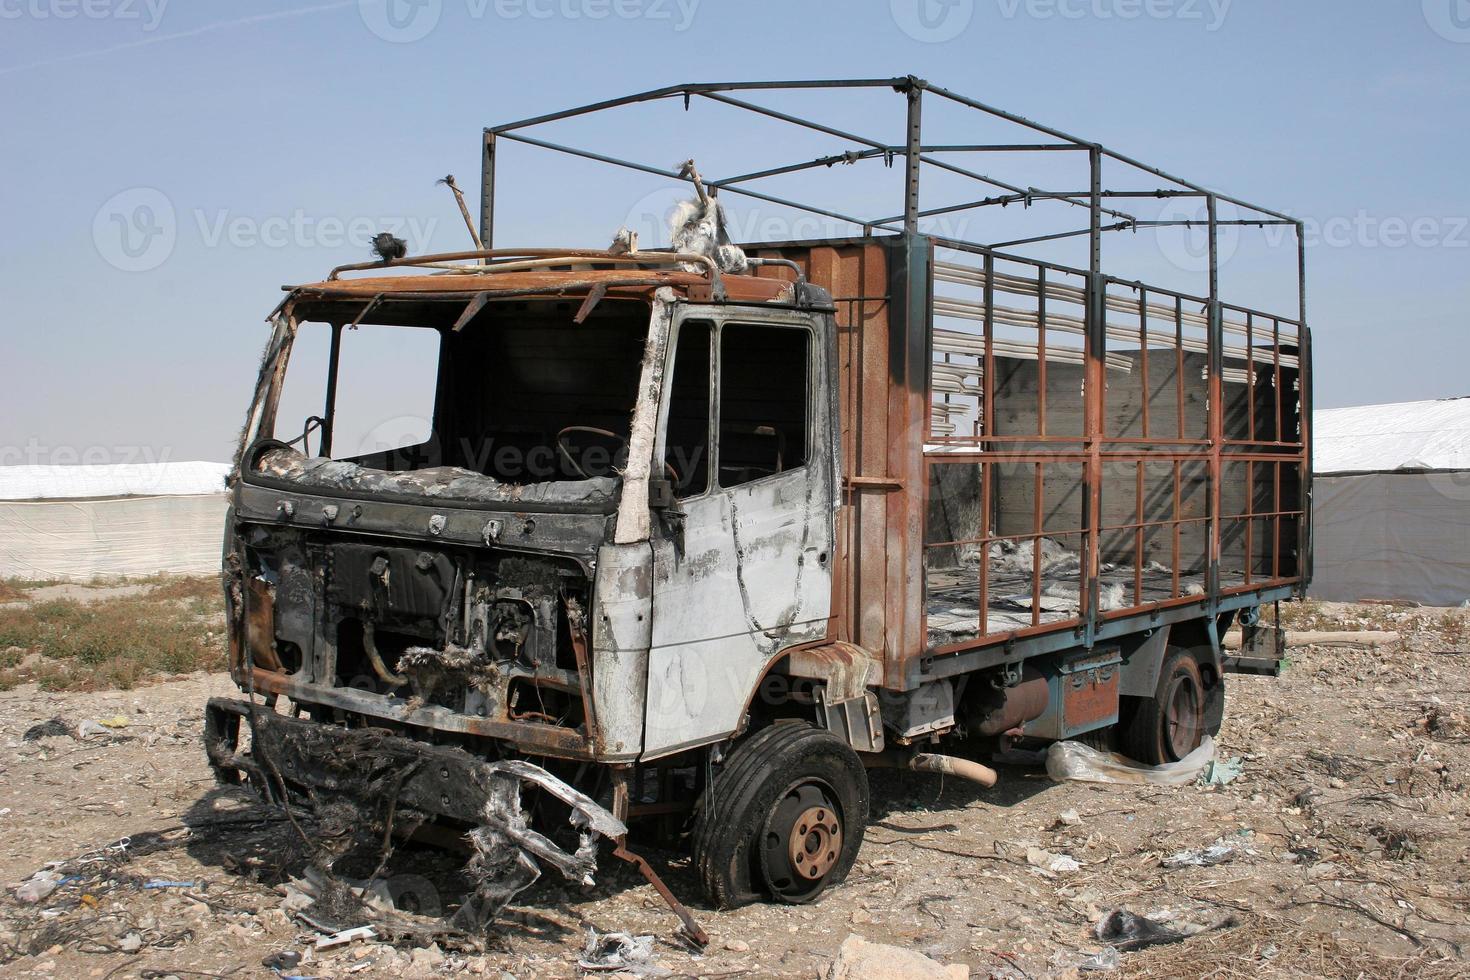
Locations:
{"points": [[1068, 818], [91, 729], [1304, 799], [858, 959], [1444, 725], [286, 959], [48, 729], [130, 943], [116, 721], [1104, 960], [1123, 930], [164, 883], [1075, 762], [345, 936], [619, 952], [40, 885], [1398, 844], [1221, 851], [1055, 864], [1222, 772]]}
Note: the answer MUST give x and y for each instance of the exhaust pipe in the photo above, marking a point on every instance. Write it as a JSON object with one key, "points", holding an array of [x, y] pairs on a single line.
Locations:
{"points": [[946, 765], [950, 766]]}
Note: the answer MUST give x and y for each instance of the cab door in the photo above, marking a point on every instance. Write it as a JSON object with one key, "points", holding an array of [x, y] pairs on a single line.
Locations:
{"points": [[743, 562]]}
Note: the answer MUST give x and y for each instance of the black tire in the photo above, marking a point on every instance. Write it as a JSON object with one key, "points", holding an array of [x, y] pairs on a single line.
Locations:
{"points": [[790, 790], [1168, 726]]}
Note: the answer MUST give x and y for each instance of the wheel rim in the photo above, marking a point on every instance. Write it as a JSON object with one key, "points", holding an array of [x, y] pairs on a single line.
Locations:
{"points": [[1183, 717], [802, 842]]}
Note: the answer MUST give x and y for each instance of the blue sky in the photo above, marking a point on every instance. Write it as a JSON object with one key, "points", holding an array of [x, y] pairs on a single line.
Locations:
{"points": [[265, 140]]}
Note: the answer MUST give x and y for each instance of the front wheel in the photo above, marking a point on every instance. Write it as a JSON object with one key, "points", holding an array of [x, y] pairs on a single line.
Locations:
{"points": [[782, 819]]}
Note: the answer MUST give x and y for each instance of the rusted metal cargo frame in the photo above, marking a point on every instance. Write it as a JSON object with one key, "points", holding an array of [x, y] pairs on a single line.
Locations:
{"points": [[879, 596]]}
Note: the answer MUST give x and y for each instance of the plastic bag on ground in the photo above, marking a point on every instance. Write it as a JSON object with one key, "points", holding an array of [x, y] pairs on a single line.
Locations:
{"points": [[1124, 930], [1075, 762]]}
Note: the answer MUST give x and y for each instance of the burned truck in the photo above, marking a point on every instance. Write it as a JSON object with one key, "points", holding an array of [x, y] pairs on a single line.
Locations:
{"points": [[694, 537]]}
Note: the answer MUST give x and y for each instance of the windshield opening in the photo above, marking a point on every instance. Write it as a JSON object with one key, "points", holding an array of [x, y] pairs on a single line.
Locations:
{"points": [[520, 396]]}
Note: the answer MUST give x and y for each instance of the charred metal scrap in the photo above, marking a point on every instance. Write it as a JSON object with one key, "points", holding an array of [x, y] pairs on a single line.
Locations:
{"points": [[366, 784]]}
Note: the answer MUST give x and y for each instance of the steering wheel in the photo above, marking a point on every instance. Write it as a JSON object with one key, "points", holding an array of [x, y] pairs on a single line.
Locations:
{"points": [[566, 454]]}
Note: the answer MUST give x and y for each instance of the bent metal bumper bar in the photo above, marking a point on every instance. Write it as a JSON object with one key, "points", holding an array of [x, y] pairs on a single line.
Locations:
{"points": [[290, 755]]}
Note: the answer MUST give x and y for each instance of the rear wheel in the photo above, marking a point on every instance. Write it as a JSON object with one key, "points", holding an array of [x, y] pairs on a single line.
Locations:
{"points": [[782, 819], [1171, 724]]}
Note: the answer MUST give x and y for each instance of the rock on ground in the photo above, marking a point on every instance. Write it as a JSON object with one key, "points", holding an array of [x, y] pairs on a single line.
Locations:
{"points": [[858, 959]]}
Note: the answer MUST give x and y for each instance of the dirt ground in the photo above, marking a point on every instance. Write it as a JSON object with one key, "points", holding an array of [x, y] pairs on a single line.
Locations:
{"points": [[1345, 849]]}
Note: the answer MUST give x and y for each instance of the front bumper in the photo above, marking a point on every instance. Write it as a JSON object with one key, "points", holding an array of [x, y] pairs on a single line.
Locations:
{"points": [[292, 758]]}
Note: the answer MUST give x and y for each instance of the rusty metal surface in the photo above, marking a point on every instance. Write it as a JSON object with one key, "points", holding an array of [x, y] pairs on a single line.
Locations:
{"points": [[551, 740], [885, 481], [1090, 691], [690, 927], [880, 515], [619, 283], [260, 624]]}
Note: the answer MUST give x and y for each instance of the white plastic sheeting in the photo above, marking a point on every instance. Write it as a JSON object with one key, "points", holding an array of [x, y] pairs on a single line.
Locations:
{"points": [[77, 523], [1401, 536], [121, 480], [78, 540], [1391, 502], [1433, 435]]}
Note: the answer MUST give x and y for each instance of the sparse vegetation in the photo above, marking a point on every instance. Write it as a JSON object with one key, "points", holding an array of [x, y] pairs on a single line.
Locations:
{"points": [[72, 644], [1454, 627], [1315, 615], [201, 587]]}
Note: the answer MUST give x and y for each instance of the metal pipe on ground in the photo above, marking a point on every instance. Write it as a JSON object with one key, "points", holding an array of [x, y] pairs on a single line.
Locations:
{"points": [[946, 765]]}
